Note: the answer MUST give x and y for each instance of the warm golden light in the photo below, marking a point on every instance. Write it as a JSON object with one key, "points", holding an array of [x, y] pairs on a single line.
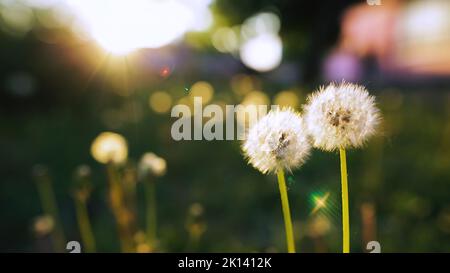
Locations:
{"points": [[123, 26], [243, 84], [225, 40], [160, 102], [320, 202], [109, 147], [287, 99], [250, 110], [256, 98], [202, 89]]}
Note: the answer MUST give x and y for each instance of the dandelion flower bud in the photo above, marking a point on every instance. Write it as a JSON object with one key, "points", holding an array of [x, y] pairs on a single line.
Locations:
{"points": [[341, 116], [83, 172], [152, 164], [110, 147], [277, 142], [43, 225]]}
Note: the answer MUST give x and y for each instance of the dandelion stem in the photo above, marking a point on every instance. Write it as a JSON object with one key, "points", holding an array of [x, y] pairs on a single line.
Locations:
{"points": [[50, 208], [150, 189], [286, 212], [118, 208], [345, 214], [84, 225]]}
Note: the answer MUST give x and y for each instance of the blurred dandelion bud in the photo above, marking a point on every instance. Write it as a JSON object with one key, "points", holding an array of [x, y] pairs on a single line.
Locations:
{"points": [[109, 147], [151, 165], [196, 210], [82, 187], [341, 116], [83, 172], [278, 141], [43, 225]]}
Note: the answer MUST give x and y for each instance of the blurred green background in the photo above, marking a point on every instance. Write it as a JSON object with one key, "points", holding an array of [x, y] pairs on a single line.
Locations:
{"points": [[60, 89]]}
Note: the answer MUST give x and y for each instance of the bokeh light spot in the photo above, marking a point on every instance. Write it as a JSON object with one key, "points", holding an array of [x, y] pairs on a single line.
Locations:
{"points": [[287, 99], [202, 89], [160, 102]]}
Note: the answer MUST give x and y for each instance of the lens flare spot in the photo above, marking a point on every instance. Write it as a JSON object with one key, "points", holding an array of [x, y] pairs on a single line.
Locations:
{"points": [[320, 202]]}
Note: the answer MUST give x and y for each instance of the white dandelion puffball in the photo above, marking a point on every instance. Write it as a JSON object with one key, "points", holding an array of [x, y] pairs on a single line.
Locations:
{"points": [[278, 141], [341, 116], [152, 164], [109, 147]]}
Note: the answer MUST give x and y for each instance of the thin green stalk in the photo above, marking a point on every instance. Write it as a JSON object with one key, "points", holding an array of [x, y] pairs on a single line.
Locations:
{"points": [[150, 189], [117, 206], [345, 214], [50, 208], [193, 242], [84, 225], [286, 212]]}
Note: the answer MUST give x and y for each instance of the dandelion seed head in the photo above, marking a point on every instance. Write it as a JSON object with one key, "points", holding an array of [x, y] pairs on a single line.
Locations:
{"points": [[109, 147], [278, 141], [341, 116], [151, 164]]}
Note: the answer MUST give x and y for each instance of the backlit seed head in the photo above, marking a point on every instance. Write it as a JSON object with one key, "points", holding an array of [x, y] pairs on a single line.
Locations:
{"points": [[152, 164], [109, 147], [278, 141], [341, 116]]}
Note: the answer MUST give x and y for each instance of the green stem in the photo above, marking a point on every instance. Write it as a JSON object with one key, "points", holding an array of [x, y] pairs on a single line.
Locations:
{"points": [[118, 209], [50, 208], [85, 226], [345, 214], [286, 212], [150, 189]]}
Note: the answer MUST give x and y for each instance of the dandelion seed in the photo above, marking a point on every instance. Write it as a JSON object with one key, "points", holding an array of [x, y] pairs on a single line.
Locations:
{"points": [[278, 142]]}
